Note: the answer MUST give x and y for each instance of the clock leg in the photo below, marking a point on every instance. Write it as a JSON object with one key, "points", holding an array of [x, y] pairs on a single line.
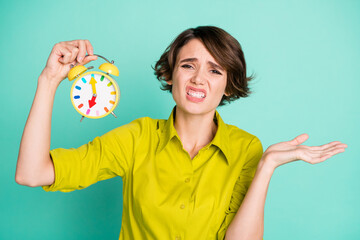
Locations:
{"points": [[81, 118], [113, 114]]}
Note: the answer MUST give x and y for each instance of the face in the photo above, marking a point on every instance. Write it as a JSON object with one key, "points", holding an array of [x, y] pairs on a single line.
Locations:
{"points": [[198, 81]]}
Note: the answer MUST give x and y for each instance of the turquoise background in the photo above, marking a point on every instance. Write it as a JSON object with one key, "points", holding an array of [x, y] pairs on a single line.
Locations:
{"points": [[306, 57]]}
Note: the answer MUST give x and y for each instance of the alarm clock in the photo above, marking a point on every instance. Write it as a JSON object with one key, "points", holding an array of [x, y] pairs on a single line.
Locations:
{"points": [[94, 94]]}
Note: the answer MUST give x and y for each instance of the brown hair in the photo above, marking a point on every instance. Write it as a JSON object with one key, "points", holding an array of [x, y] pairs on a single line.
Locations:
{"points": [[225, 49]]}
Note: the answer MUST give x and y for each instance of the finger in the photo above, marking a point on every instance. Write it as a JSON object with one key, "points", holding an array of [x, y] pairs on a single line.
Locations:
{"points": [[299, 139], [82, 51], [88, 59], [320, 153], [89, 47], [334, 150], [74, 52], [325, 146], [313, 157], [338, 145], [75, 43], [329, 150], [65, 54], [327, 156]]}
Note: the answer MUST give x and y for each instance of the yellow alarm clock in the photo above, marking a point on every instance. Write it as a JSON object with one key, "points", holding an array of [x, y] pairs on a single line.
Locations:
{"points": [[94, 94]]}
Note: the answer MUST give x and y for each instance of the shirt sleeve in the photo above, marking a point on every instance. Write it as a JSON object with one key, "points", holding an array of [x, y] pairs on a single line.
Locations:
{"points": [[102, 158], [242, 184]]}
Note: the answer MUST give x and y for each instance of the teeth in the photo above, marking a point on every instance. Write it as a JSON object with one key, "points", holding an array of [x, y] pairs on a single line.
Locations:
{"points": [[196, 94]]}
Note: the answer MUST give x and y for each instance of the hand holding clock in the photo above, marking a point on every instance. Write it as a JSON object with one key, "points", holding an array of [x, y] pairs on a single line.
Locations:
{"points": [[59, 66], [63, 55]]}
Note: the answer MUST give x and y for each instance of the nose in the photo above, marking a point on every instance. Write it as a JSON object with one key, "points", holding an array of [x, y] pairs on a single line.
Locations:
{"points": [[198, 78]]}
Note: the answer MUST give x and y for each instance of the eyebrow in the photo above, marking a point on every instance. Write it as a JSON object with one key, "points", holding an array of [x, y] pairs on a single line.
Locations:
{"points": [[214, 65]]}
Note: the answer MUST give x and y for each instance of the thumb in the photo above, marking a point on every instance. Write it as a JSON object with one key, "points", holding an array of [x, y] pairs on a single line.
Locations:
{"points": [[299, 139], [88, 59]]}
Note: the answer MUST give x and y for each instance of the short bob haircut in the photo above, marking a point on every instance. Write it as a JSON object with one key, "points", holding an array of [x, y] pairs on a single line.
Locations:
{"points": [[225, 49]]}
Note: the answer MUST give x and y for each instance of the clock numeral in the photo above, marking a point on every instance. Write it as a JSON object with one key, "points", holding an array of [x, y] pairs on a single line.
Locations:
{"points": [[77, 87], [80, 106], [84, 80], [112, 102], [113, 93], [102, 78], [106, 110], [77, 97], [109, 84]]}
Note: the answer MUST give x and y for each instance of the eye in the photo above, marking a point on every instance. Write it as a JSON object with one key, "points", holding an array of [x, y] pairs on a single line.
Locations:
{"points": [[216, 72], [186, 66]]}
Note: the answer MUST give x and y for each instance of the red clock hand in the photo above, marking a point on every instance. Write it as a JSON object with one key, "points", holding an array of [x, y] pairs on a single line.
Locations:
{"points": [[92, 102]]}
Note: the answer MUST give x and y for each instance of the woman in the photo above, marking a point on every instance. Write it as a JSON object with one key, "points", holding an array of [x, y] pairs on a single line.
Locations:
{"points": [[188, 177]]}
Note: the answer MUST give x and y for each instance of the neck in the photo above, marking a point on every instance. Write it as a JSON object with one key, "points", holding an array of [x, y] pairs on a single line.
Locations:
{"points": [[194, 130]]}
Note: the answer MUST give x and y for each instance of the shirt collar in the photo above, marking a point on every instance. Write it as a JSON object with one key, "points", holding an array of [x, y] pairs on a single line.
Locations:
{"points": [[221, 139]]}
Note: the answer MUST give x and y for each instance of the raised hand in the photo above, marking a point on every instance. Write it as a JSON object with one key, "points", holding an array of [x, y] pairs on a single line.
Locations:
{"points": [[285, 152], [63, 55]]}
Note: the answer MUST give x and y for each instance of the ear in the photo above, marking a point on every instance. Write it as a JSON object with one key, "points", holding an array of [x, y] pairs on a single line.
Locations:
{"points": [[227, 94], [169, 82]]}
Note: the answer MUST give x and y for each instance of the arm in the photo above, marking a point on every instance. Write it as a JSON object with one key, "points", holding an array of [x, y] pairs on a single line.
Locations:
{"points": [[248, 222], [250, 215], [34, 165]]}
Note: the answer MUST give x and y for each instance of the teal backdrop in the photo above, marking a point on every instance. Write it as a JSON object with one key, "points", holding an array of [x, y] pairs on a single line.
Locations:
{"points": [[305, 55]]}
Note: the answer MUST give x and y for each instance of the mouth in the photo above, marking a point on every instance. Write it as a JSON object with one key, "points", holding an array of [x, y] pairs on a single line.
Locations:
{"points": [[195, 92]]}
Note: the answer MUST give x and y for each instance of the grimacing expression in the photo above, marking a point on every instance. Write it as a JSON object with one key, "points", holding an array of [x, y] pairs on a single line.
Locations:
{"points": [[198, 81]]}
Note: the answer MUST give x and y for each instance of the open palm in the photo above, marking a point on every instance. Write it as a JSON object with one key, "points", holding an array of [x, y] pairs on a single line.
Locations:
{"points": [[285, 152]]}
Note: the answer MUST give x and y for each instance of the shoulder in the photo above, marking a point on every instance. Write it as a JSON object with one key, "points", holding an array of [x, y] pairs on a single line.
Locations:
{"points": [[238, 134], [245, 146], [242, 140], [135, 127], [140, 129], [145, 125], [152, 124]]}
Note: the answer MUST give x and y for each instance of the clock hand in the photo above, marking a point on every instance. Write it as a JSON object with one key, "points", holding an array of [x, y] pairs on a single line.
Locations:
{"points": [[92, 101], [93, 82]]}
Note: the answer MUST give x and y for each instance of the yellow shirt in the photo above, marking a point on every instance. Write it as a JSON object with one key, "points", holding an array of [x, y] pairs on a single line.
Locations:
{"points": [[166, 194]]}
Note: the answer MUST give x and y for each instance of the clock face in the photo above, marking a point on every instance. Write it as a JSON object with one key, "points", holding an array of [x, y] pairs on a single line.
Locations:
{"points": [[94, 94]]}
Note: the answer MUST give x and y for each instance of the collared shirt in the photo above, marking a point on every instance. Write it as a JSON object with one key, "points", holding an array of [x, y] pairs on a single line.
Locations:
{"points": [[166, 194]]}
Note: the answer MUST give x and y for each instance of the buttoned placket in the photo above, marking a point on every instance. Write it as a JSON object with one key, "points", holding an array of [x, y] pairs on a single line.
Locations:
{"points": [[186, 205], [190, 175]]}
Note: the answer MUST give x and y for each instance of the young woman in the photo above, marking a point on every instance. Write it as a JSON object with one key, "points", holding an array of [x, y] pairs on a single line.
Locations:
{"points": [[188, 177]]}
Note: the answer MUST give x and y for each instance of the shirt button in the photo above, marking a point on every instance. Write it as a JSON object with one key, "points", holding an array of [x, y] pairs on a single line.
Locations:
{"points": [[187, 180], [182, 206]]}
